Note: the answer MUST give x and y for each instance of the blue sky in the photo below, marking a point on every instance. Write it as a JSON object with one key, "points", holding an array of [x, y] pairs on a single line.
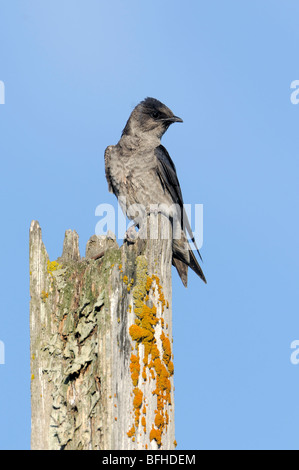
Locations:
{"points": [[73, 71]]}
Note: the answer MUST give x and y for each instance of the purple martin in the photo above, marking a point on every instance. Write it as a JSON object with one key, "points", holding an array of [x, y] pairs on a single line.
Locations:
{"points": [[139, 171]]}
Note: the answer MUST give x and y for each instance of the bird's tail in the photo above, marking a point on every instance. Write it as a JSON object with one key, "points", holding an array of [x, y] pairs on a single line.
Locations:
{"points": [[182, 269], [184, 257], [195, 266]]}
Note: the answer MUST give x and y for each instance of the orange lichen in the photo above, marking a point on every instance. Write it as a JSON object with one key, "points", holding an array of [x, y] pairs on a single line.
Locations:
{"points": [[128, 284], [156, 434], [167, 354], [166, 348], [143, 422], [135, 369], [160, 366], [132, 432], [137, 404], [140, 334], [163, 385], [148, 285], [159, 420], [44, 296], [171, 368]]}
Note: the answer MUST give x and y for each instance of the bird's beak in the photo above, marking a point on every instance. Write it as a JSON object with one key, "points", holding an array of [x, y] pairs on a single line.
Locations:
{"points": [[173, 119], [177, 119]]}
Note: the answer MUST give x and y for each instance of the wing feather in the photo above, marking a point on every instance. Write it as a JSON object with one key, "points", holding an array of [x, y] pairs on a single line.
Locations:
{"points": [[107, 169], [168, 176]]}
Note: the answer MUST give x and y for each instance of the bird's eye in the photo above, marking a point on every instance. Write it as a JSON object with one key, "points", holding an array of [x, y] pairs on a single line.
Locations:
{"points": [[155, 114]]}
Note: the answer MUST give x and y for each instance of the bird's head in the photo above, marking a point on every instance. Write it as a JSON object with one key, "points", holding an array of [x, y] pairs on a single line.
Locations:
{"points": [[150, 117]]}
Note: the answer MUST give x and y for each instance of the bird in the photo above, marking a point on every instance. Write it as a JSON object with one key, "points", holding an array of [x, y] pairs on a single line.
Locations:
{"points": [[140, 171]]}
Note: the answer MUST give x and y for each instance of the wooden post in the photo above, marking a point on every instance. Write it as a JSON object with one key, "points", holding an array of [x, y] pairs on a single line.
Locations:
{"points": [[101, 343]]}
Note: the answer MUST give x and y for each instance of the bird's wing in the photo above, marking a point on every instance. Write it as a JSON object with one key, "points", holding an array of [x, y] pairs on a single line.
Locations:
{"points": [[107, 168], [168, 176], [167, 173]]}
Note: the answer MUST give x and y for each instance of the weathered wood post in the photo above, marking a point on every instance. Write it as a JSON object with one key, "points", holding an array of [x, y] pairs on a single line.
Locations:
{"points": [[101, 343]]}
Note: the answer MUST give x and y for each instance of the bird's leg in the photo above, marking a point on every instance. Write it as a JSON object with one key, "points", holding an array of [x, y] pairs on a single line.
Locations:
{"points": [[157, 209]]}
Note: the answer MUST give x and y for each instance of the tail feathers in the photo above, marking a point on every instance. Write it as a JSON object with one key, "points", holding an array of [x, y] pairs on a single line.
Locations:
{"points": [[193, 241], [196, 268], [182, 270], [183, 257], [186, 225]]}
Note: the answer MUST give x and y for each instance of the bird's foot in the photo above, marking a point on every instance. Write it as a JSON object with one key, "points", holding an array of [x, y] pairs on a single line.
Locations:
{"points": [[154, 211], [159, 209]]}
